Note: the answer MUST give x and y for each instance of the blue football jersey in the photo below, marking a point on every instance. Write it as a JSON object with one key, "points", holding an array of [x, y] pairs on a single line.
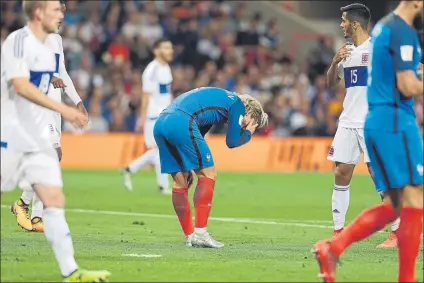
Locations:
{"points": [[208, 106], [394, 47]]}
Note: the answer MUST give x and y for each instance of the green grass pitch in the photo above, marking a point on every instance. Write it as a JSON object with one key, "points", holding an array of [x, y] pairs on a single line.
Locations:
{"points": [[268, 222]]}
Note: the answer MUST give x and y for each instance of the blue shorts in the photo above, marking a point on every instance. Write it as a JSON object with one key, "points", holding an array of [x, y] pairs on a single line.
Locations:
{"points": [[396, 158], [181, 145]]}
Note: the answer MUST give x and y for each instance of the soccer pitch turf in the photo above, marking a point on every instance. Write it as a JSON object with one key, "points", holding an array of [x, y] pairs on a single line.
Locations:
{"points": [[268, 222]]}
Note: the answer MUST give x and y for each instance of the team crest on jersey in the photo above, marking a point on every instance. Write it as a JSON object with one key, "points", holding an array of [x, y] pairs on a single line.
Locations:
{"points": [[331, 151], [365, 57]]}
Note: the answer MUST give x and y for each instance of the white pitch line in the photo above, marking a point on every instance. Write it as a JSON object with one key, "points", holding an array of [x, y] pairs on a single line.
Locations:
{"points": [[295, 223], [142, 255]]}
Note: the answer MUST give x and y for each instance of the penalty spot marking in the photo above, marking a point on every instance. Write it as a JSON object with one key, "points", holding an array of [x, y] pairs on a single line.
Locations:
{"points": [[293, 223], [142, 255]]}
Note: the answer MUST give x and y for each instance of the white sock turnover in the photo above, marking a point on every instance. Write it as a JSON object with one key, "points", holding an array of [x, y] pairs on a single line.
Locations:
{"points": [[27, 192], [37, 207]]}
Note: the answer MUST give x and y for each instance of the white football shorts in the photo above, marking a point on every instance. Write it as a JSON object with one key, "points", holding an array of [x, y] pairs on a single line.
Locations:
{"points": [[55, 128], [41, 167], [348, 145]]}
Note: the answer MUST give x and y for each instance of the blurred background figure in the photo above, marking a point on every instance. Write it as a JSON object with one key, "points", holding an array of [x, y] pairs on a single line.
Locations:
{"points": [[108, 44]]}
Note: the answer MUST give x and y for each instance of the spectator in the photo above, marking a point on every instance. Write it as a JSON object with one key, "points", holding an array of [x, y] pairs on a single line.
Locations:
{"points": [[107, 45]]}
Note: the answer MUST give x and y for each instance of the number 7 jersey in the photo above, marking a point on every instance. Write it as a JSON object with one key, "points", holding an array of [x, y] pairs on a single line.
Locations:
{"points": [[25, 56], [353, 70]]}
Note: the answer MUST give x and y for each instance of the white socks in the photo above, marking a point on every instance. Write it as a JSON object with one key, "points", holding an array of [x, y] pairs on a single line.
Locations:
{"points": [[150, 157], [27, 192], [57, 233], [147, 158], [340, 204], [37, 207], [395, 225], [162, 179], [27, 195]]}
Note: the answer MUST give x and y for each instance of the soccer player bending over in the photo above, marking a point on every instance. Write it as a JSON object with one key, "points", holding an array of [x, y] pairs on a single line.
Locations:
{"points": [[179, 133], [28, 65], [394, 144], [350, 63]]}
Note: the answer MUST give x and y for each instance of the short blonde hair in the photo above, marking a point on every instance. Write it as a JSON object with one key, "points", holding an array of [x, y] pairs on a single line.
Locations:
{"points": [[254, 108], [29, 7]]}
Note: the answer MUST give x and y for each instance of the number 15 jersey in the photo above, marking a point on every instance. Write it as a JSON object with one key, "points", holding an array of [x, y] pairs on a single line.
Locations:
{"points": [[353, 70], [25, 56]]}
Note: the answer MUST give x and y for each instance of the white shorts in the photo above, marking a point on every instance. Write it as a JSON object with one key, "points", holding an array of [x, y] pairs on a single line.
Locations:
{"points": [[55, 129], [149, 138], [41, 167], [347, 146]]}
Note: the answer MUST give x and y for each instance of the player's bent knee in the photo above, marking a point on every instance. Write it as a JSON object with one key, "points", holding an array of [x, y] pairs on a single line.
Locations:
{"points": [[50, 196], [413, 196], [180, 180], [207, 173]]}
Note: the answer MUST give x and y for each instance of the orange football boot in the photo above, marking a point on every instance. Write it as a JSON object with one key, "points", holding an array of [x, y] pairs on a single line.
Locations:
{"points": [[327, 261], [390, 242]]}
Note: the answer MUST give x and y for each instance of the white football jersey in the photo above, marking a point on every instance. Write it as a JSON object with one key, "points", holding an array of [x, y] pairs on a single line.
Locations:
{"points": [[353, 70], [24, 55], [54, 41], [157, 80]]}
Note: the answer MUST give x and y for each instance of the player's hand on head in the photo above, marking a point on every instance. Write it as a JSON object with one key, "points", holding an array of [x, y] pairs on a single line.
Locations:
{"points": [[57, 83], [342, 53], [252, 125]]}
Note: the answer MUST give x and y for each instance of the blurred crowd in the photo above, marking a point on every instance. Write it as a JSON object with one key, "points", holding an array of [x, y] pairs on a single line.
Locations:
{"points": [[107, 44]]}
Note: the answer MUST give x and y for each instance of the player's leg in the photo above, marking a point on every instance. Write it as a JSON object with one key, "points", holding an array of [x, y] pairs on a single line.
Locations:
{"points": [[370, 220], [345, 153], [172, 163], [37, 205], [411, 223], [10, 174], [28, 192], [20, 208], [200, 159], [42, 169], [410, 231], [391, 241], [147, 158], [162, 179], [181, 204]]}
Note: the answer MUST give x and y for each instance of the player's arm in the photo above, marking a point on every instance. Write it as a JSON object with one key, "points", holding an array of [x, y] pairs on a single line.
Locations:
{"points": [[69, 86], [420, 71], [335, 72], [402, 46], [236, 135]]}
